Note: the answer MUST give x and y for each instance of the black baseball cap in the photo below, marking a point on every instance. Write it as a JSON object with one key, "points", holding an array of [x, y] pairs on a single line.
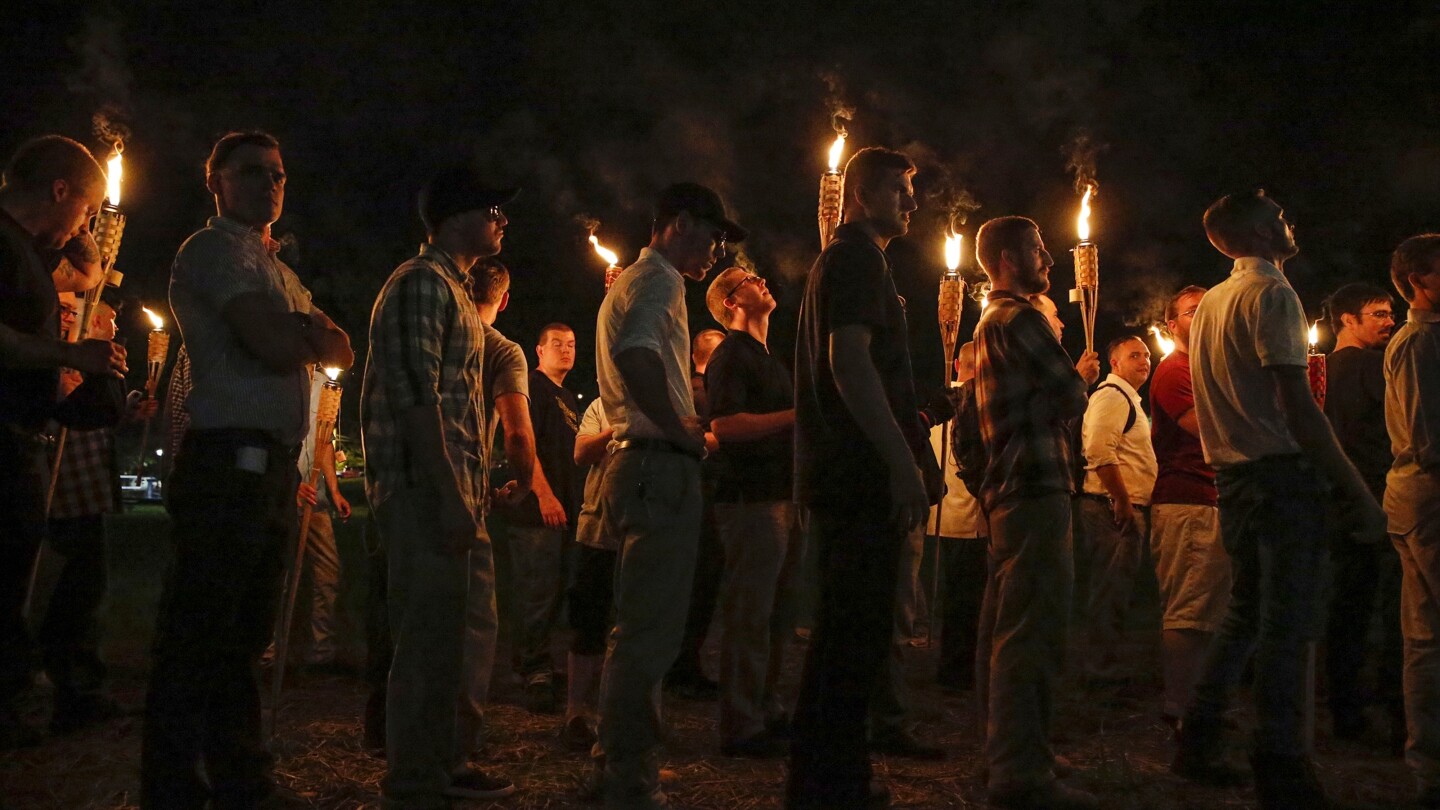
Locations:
{"points": [[456, 190], [702, 203]]}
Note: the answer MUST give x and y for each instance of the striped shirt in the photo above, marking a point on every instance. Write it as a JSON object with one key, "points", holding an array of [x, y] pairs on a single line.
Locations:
{"points": [[1027, 391], [426, 349], [232, 388]]}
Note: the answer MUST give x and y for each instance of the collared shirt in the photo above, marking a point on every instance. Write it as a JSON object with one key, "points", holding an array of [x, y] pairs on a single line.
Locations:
{"points": [[744, 377], [28, 305], [1355, 406], [87, 479], [1106, 441], [1183, 475], [177, 416], [231, 387], [645, 310], [959, 511], [836, 465], [1028, 394], [590, 525], [1412, 417], [426, 349], [1245, 324]]}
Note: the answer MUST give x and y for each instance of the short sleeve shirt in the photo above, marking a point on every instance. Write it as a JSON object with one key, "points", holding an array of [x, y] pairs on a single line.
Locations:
{"points": [[645, 309], [230, 386], [28, 305], [1183, 476], [836, 466], [1355, 405], [959, 511], [1244, 325], [1412, 416], [744, 377]]}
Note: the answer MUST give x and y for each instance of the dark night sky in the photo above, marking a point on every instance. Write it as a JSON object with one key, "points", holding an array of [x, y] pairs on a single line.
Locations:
{"points": [[1332, 106]]}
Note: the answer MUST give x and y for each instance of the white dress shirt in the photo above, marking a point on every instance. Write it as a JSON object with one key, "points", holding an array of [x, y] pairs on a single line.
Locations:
{"points": [[1106, 441]]}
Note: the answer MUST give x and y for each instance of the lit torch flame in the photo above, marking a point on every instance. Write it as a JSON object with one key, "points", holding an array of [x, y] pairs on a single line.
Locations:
{"points": [[952, 250], [1314, 335], [155, 320], [605, 253], [114, 173], [1167, 346], [1082, 224], [835, 151], [333, 372]]}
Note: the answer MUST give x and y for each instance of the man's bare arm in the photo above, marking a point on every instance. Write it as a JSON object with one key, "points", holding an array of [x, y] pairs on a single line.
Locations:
{"points": [[744, 427], [281, 340], [79, 268], [644, 377], [1190, 423], [19, 350], [591, 449], [514, 410]]}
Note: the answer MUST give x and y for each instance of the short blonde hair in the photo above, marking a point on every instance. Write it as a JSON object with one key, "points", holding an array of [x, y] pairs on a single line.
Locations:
{"points": [[720, 288]]}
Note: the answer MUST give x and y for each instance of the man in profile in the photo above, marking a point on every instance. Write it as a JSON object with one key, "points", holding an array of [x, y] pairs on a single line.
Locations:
{"points": [[1272, 451]]}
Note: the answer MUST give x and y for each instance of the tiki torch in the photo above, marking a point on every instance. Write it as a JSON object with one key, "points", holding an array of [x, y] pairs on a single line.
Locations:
{"points": [[1087, 270], [832, 192], [327, 412], [952, 291], [612, 261], [1167, 346], [1316, 363], [157, 350]]}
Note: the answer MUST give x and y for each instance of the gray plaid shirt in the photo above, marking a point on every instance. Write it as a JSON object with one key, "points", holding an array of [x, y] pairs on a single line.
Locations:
{"points": [[426, 349]]}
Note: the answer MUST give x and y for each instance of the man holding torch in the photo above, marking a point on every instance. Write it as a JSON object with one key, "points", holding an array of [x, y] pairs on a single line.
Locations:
{"points": [[51, 188], [1028, 395], [252, 335], [1272, 449]]}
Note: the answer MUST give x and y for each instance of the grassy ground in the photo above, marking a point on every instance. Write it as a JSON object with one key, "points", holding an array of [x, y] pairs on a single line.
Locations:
{"points": [[1112, 735]]}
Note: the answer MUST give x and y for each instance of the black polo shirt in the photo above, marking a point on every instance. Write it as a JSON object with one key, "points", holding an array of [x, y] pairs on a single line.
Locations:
{"points": [[1355, 404], [555, 415], [836, 467], [744, 377], [30, 306]]}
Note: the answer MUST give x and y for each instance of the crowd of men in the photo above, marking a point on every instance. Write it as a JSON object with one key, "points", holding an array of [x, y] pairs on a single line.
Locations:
{"points": [[707, 474]]}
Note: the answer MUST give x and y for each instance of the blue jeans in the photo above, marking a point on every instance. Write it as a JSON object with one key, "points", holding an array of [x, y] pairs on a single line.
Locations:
{"points": [[1272, 524]]}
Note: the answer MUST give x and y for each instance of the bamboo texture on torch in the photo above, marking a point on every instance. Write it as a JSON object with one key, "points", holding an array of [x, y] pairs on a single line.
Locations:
{"points": [[157, 350], [832, 199]]}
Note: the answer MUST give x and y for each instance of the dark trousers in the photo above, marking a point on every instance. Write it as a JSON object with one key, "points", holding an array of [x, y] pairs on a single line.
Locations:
{"points": [[704, 592], [1366, 582], [70, 636], [217, 611], [962, 577], [379, 646], [1272, 524], [859, 565], [591, 600], [22, 509]]}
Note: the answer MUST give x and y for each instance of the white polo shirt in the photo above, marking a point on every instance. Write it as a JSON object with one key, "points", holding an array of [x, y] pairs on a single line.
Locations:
{"points": [[1106, 441], [960, 514], [1248, 322]]}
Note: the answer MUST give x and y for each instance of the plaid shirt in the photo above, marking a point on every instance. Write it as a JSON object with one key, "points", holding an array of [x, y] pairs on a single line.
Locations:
{"points": [[177, 416], [426, 348], [87, 480], [1027, 391]]}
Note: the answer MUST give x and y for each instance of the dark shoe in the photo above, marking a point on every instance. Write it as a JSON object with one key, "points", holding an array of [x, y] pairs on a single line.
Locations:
{"points": [[877, 797], [83, 713], [577, 734], [1286, 782], [906, 746], [283, 799], [692, 686], [1049, 796], [1349, 727], [1200, 756], [476, 784], [1063, 768], [779, 727], [760, 746], [540, 695]]}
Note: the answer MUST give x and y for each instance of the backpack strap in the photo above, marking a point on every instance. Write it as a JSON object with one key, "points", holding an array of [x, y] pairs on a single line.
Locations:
{"points": [[1129, 403]]}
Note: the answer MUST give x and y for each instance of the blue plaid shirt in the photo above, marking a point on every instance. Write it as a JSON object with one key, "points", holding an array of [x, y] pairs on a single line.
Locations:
{"points": [[426, 349]]}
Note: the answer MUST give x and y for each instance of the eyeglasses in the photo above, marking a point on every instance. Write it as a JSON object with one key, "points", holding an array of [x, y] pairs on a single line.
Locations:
{"points": [[494, 214], [257, 172], [749, 277], [1381, 314]]}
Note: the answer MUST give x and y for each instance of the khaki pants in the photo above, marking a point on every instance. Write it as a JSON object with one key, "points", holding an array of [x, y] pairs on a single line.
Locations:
{"points": [[322, 560], [651, 501], [755, 614], [1114, 557], [1420, 624], [1023, 625]]}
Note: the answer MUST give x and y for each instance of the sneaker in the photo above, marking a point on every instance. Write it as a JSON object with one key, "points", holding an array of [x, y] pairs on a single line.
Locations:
{"points": [[577, 734], [540, 695], [1049, 796], [693, 686], [758, 746], [476, 784], [904, 745], [1287, 782], [1200, 757]]}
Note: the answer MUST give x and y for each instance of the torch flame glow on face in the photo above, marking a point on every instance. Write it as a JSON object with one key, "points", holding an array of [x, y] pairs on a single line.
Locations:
{"points": [[1166, 344], [1314, 334], [835, 151], [1082, 224], [952, 250], [155, 320], [115, 171], [605, 253], [333, 373]]}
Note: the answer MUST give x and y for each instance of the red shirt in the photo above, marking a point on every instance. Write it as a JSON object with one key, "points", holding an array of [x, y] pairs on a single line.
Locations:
{"points": [[1184, 476]]}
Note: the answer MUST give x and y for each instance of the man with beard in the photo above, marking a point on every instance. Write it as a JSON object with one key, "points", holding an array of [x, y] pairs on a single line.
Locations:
{"points": [[858, 438], [1028, 395], [651, 491], [253, 336], [1366, 569], [1272, 451]]}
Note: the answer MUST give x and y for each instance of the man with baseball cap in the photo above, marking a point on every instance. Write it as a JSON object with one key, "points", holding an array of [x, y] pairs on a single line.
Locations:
{"points": [[423, 421], [651, 491]]}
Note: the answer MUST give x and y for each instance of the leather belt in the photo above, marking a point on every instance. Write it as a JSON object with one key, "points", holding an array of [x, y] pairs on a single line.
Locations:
{"points": [[659, 445]]}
